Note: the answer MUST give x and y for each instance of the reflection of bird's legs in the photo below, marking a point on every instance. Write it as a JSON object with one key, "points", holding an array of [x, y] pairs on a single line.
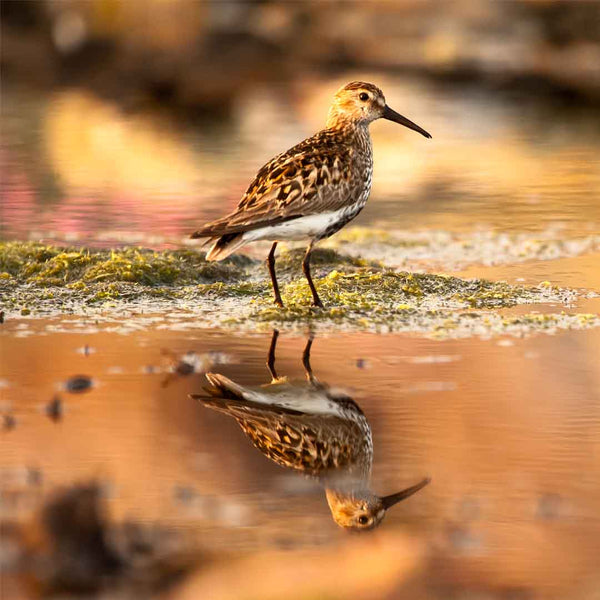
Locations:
{"points": [[271, 355], [306, 360]]}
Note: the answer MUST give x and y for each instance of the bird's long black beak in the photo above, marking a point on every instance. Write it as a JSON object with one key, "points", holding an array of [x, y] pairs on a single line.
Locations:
{"points": [[392, 115], [389, 501]]}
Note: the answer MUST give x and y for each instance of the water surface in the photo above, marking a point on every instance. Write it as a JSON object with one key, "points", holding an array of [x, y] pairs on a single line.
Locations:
{"points": [[506, 428]]}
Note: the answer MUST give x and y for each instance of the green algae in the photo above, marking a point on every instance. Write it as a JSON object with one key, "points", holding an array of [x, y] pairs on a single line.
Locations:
{"points": [[233, 290], [42, 265], [346, 283], [289, 261], [37, 280], [372, 288]]}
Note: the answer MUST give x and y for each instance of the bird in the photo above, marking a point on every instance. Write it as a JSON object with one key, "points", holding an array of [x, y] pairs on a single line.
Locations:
{"points": [[313, 189], [313, 429]]}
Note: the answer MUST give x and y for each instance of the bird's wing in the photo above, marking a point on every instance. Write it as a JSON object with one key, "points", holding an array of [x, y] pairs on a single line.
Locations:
{"points": [[313, 177], [312, 443]]}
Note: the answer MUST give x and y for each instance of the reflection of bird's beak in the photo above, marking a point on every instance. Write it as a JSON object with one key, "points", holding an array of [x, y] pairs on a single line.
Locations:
{"points": [[389, 501], [392, 115]]}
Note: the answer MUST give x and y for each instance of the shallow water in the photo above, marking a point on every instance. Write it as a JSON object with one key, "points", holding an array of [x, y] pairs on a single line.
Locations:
{"points": [[507, 430], [507, 427]]}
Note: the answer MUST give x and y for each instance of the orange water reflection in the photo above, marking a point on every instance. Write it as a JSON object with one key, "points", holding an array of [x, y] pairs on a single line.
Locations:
{"points": [[509, 433], [79, 165]]}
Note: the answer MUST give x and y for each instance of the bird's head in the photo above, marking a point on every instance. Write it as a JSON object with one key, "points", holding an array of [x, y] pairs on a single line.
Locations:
{"points": [[362, 510], [360, 102]]}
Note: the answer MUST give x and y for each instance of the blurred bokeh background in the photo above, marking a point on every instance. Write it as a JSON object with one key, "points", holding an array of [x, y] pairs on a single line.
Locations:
{"points": [[134, 121], [153, 116]]}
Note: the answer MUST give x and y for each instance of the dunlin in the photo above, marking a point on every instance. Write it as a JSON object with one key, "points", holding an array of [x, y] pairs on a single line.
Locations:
{"points": [[315, 188], [312, 429]]}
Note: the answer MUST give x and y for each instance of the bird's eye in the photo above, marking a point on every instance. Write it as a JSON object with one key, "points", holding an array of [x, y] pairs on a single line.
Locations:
{"points": [[363, 96], [363, 519]]}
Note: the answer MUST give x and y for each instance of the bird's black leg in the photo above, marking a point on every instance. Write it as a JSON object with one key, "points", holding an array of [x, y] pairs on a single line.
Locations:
{"points": [[306, 270], [271, 265], [271, 355], [306, 360]]}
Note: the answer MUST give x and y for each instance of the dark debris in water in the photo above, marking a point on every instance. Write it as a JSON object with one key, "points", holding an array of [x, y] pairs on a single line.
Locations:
{"points": [[77, 384], [86, 350], [55, 409], [8, 422], [72, 547], [76, 526]]}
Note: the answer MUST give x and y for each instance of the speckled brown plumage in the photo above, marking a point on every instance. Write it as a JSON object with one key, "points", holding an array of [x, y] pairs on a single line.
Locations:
{"points": [[312, 190], [315, 444], [322, 173]]}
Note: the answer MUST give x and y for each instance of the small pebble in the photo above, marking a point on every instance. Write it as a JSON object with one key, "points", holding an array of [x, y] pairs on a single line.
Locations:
{"points": [[8, 422], [54, 409], [549, 507], [86, 350], [184, 368], [34, 476], [184, 494], [463, 540], [78, 384]]}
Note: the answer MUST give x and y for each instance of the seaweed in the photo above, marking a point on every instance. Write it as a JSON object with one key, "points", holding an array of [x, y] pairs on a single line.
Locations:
{"points": [[37, 280]]}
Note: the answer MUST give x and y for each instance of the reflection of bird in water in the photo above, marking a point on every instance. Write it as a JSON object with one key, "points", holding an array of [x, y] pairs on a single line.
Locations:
{"points": [[313, 429]]}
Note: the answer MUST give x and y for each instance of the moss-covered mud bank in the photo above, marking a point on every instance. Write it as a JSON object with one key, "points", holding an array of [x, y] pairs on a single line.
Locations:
{"points": [[188, 292]]}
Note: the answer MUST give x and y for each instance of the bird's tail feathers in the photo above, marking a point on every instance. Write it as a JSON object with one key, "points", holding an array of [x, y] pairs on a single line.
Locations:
{"points": [[225, 245], [223, 394], [223, 387]]}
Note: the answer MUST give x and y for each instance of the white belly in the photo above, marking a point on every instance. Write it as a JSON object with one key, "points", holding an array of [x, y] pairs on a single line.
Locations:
{"points": [[312, 226], [307, 400]]}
